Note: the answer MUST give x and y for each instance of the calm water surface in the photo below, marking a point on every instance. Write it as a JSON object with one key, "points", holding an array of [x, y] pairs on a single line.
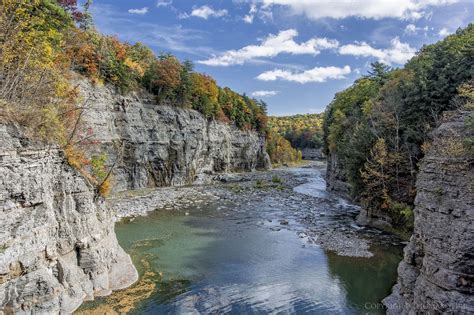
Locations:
{"points": [[234, 261]]}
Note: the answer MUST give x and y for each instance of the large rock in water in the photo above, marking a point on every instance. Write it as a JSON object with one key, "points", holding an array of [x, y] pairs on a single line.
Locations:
{"points": [[57, 244], [437, 272], [158, 145]]}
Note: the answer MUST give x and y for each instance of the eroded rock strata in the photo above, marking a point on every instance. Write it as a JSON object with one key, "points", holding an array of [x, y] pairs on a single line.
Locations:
{"points": [[158, 145], [57, 241], [437, 272]]}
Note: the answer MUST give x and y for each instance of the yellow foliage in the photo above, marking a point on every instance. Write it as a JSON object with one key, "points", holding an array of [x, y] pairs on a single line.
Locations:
{"points": [[75, 157], [105, 187], [135, 66], [280, 150]]}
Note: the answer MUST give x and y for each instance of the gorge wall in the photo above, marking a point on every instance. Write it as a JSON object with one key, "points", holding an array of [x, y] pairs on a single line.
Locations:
{"points": [[57, 242], [437, 272], [158, 145]]}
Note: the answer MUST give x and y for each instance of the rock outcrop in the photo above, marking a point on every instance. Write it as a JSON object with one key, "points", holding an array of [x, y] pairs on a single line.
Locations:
{"points": [[158, 145], [312, 154], [336, 179], [437, 272], [57, 242]]}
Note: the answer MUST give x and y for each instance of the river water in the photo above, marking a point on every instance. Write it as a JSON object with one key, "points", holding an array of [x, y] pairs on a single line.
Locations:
{"points": [[218, 260]]}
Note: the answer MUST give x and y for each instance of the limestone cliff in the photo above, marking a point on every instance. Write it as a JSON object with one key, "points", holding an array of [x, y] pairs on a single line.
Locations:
{"points": [[57, 244], [437, 272], [159, 145]]}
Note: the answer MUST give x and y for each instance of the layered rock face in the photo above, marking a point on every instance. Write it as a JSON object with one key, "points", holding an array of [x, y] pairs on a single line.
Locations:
{"points": [[57, 243], [336, 179], [437, 272], [312, 154], [157, 145]]}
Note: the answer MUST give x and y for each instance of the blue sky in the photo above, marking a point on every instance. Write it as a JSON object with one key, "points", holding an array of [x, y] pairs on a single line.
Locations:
{"points": [[293, 54]]}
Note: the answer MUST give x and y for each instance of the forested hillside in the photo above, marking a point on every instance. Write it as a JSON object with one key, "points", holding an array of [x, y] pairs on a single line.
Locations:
{"points": [[379, 128], [303, 130]]}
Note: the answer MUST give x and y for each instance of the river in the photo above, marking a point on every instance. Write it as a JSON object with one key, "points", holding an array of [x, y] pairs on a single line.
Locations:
{"points": [[222, 258]]}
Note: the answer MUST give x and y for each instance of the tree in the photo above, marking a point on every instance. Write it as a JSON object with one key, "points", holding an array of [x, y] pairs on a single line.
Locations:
{"points": [[205, 94], [163, 77], [184, 90], [379, 72], [375, 175]]}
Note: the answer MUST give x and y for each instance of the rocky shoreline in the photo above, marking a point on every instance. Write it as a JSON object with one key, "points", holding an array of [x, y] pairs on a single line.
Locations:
{"points": [[332, 230]]}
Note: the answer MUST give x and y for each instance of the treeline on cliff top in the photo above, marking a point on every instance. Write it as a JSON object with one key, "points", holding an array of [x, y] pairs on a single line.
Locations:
{"points": [[379, 127], [302, 131], [43, 40]]}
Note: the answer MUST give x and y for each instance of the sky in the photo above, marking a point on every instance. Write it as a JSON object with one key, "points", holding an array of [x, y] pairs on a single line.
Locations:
{"points": [[293, 54]]}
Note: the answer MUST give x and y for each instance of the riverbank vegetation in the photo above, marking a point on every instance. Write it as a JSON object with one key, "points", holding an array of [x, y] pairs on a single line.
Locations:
{"points": [[302, 131], [380, 126]]}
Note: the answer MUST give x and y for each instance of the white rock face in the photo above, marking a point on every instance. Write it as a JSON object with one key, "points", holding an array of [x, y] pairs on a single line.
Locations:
{"points": [[160, 145], [436, 275], [57, 243]]}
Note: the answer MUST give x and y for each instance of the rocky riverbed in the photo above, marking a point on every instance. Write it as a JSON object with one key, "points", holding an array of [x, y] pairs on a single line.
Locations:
{"points": [[262, 242], [299, 194]]}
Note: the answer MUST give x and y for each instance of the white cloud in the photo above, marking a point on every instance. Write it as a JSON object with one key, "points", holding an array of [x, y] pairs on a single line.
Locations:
{"points": [[204, 12], [138, 11], [372, 9], [272, 46], [398, 52], [411, 29], [444, 32], [317, 74], [264, 93], [163, 3], [249, 17]]}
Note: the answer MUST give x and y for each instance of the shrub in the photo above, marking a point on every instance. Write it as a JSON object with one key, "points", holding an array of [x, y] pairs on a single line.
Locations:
{"points": [[276, 179]]}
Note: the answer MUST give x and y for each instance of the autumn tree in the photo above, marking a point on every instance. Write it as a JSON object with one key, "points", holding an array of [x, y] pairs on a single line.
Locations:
{"points": [[205, 94], [163, 77]]}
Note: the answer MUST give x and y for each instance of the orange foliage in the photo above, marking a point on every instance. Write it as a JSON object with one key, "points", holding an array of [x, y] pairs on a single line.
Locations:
{"points": [[222, 117]]}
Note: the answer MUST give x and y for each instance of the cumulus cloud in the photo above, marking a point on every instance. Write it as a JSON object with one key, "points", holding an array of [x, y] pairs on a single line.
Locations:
{"points": [[264, 93], [444, 32], [163, 3], [272, 46], [398, 52], [138, 11], [372, 9], [204, 12], [317, 74]]}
